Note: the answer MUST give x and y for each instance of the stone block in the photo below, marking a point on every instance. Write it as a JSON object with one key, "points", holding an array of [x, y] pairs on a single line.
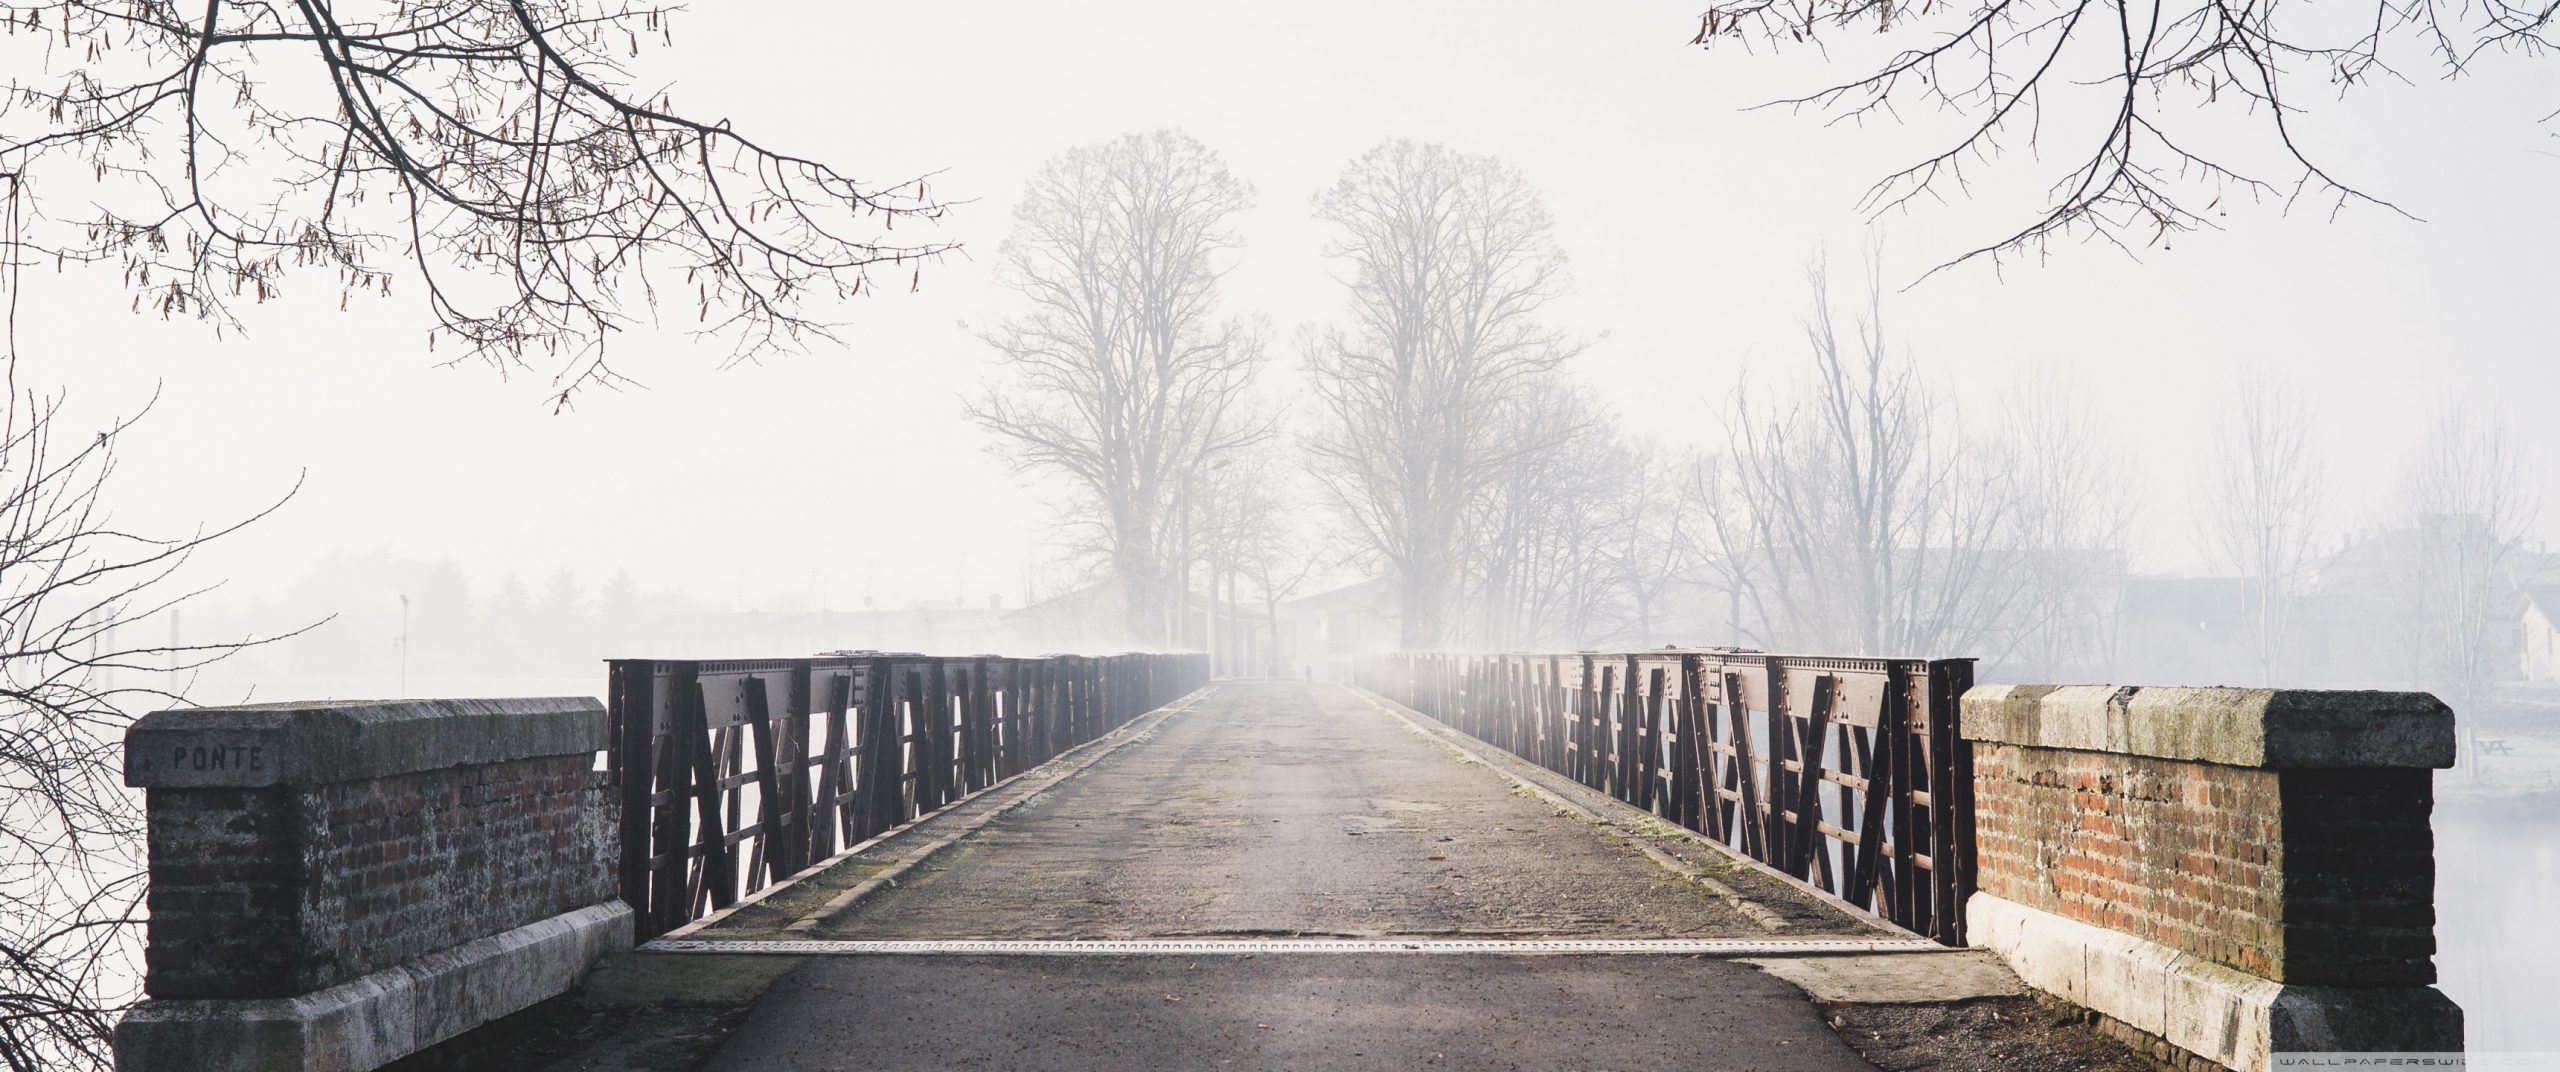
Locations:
{"points": [[1897, 978], [2229, 1017], [2265, 728], [318, 743], [380, 1017]]}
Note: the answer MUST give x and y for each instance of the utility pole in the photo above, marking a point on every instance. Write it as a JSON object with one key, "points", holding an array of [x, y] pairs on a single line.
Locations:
{"points": [[1182, 582], [404, 646]]}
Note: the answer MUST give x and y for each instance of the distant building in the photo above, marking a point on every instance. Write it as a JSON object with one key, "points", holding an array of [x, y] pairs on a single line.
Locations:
{"points": [[1091, 620], [1084, 621], [2542, 633], [1323, 633]]}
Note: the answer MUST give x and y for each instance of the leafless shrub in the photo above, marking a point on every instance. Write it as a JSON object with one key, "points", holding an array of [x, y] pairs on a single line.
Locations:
{"points": [[1855, 514], [75, 590], [2261, 505], [2469, 496], [2072, 498]]}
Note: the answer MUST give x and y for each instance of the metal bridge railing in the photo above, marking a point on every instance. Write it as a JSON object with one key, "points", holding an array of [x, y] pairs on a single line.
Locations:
{"points": [[736, 774], [1846, 774]]}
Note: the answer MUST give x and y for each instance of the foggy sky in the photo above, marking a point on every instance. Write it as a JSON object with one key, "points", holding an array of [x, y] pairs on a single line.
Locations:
{"points": [[814, 480]]}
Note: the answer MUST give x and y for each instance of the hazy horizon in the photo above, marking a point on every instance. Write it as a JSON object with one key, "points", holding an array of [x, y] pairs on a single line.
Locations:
{"points": [[822, 478]]}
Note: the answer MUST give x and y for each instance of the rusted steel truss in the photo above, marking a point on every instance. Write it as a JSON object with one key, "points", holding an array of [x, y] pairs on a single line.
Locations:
{"points": [[736, 774], [1846, 774]]}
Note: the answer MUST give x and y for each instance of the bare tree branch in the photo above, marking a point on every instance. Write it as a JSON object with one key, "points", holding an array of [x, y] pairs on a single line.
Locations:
{"points": [[2109, 101], [492, 154], [74, 591]]}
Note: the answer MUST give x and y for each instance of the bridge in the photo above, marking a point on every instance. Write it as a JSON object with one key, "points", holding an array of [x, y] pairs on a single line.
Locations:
{"points": [[1678, 858]]}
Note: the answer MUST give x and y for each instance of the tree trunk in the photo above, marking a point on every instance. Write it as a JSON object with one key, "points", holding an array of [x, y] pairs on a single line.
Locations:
{"points": [[1422, 592]]}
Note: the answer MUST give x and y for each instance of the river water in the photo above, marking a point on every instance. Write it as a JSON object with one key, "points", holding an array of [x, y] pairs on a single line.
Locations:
{"points": [[2498, 916]]}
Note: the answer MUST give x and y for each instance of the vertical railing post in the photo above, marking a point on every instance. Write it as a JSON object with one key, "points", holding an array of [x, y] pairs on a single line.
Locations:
{"points": [[1950, 798], [883, 752], [634, 770], [795, 752], [671, 829]]}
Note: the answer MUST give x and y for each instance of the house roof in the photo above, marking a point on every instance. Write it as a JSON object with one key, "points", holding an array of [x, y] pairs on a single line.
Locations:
{"points": [[1376, 593], [1102, 601], [2546, 600]]}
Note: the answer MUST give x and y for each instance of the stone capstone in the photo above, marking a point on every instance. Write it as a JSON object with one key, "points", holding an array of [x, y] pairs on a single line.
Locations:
{"points": [[2267, 728], [320, 743]]}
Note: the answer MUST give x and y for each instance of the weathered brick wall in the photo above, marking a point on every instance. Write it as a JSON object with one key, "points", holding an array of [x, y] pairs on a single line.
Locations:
{"points": [[285, 890], [225, 888], [2320, 873], [2151, 847], [2360, 876]]}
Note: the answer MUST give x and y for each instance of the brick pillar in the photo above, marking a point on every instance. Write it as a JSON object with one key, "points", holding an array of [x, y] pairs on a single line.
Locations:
{"points": [[337, 885], [2233, 873]]}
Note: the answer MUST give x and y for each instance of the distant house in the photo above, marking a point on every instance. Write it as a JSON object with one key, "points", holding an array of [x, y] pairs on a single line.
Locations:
{"points": [[2542, 633], [2359, 618], [1321, 634]]}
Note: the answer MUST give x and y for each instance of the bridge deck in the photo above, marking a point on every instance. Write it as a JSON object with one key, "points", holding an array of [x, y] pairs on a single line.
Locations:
{"points": [[1291, 810], [1282, 811]]}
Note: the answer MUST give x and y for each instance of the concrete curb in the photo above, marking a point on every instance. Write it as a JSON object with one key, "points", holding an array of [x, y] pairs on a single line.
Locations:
{"points": [[1844, 949]]}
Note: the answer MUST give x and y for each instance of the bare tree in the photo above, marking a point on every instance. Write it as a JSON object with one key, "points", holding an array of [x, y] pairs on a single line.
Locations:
{"points": [[1536, 565], [1257, 533], [1857, 517], [2469, 495], [1655, 550], [1120, 375], [492, 154], [2125, 108], [2261, 507], [75, 590], [2072, 510], [1450, 258]]}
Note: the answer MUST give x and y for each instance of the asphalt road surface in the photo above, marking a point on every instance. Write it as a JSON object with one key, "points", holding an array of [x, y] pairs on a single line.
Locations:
{"points": [[1622, 1013], [1287, 810]]}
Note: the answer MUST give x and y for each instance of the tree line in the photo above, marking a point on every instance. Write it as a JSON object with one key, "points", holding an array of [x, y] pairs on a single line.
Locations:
{"points": [[1435, 433]]}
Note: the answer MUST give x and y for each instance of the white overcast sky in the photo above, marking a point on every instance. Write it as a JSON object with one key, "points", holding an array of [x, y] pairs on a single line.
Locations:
{"points": [[815, 479]]}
